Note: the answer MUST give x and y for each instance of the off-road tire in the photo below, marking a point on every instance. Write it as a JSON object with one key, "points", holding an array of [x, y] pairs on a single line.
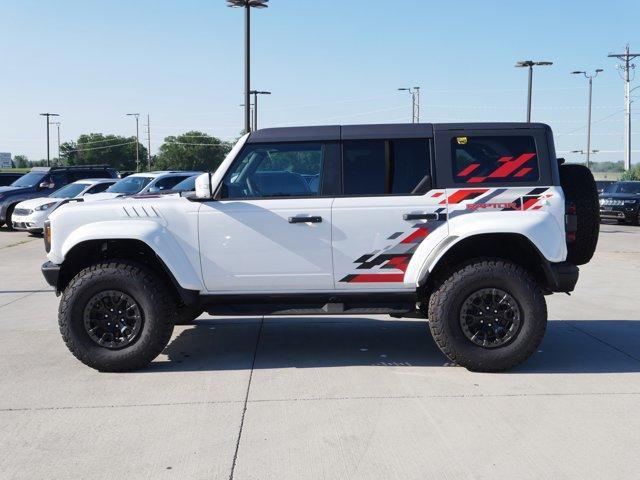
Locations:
{"points": [[445, 306], [186, 315], [580, 190], [142, 284]]}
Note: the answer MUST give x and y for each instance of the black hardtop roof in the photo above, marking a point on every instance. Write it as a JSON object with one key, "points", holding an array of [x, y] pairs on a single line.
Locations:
{"points": [[373, 131]]}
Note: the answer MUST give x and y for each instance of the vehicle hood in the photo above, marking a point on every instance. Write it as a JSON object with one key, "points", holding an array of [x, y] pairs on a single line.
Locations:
{"points": [[36, 202], [102, 196], [10, 189]]}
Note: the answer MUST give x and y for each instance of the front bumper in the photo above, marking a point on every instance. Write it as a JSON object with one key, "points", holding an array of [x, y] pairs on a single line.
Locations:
{"points": [[619, 213], [51, 273], [32, 223]]}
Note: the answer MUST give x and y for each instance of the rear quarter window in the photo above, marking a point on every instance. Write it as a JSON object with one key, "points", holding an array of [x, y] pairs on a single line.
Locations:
{"points": [[494, 159]]}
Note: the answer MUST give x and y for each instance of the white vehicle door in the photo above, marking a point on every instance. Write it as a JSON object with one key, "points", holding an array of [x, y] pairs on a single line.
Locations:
{"points": [[270, 228], [387, 210]]}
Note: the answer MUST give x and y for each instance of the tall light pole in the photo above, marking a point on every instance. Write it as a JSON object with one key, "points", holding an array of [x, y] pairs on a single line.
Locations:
{"points": [[626, 68], [415, 102], [255, 94], [137, 116], [247, 5], [148, 142], [530, 64], [590, 78], [48, 116], [57, 124]]}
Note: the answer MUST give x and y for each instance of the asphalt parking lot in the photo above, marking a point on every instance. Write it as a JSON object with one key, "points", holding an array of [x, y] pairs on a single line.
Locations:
{"points": [[327, 397]]}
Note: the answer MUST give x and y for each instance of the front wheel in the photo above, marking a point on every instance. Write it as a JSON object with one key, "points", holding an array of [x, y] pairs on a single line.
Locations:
{"points": [[116, 316], [488, 316]]}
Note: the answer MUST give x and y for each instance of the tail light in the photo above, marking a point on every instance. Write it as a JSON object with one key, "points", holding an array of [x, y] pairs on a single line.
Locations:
{"points": [[570, 221], [47, 236]]}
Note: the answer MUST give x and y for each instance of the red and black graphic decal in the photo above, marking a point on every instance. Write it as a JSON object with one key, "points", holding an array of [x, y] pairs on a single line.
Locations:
{"points": [[508, 168], [396, 257]]}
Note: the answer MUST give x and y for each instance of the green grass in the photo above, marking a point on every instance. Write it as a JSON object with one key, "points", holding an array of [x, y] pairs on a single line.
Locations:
{"points": [[15, 170]]}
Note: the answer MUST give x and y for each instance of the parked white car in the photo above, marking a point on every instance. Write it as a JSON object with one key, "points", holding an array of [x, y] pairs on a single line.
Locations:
{"points": [[31, 214], [144, 183]]}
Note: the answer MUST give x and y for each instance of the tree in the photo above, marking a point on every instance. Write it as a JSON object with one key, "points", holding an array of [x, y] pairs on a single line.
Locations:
{"points": [[633, 174], [20, 161], [191, 151], [98, 149]]}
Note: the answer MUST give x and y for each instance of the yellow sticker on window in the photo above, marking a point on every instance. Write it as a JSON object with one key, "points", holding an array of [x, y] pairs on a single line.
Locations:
{"points": [[462, 140]]}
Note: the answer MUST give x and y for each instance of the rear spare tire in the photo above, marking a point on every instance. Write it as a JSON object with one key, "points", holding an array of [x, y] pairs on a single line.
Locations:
{"points": [[581, 193]]}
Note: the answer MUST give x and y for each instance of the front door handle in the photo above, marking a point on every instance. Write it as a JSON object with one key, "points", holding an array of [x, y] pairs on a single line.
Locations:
{"points": [[421, 216], [313, 219]]}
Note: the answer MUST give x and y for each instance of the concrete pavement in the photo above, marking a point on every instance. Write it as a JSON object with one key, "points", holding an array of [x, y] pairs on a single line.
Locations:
{"points": [[325, 397]]}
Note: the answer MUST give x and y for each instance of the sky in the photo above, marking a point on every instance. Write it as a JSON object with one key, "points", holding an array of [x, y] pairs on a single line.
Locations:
{"points": [[325, 62]]}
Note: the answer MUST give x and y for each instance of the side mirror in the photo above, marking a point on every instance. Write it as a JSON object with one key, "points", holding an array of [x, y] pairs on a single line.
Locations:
{"points": [[204, 190], [46, 185], [154, 190]]}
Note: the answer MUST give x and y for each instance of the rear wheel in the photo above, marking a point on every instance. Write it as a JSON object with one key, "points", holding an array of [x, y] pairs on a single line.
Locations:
{"points": [[581, 192], [116, 316], [488, 316]]}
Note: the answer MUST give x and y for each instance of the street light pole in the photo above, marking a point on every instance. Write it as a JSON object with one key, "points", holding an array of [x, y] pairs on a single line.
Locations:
{"points": [[57, 124], [136, 115], [255, 94], [48, 115], [590, 78], [530, 64], [415, 102], [247, 5]]}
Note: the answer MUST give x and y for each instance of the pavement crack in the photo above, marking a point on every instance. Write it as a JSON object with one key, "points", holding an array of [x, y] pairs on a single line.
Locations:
{"points": [[45, 289], [127, 405], [453, 396], [246, 400], [604, 343]]}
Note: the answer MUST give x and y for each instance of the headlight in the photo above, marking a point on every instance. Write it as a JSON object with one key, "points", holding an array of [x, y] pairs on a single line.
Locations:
{"points": [[46, 206], [630, 202]]}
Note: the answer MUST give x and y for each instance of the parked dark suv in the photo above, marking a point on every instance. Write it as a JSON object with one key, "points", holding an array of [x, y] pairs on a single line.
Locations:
{"points": [[621, 201], [41, 181]]}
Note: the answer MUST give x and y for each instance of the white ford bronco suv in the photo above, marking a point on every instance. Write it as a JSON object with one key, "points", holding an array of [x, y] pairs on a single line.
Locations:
{"points": [[466, 225]]}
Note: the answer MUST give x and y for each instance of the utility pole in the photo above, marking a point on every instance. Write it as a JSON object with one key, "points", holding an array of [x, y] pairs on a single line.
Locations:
{"points": [[148, 143], [57, 124], [136, 115], [626, 68], [530, 64], [255, 94], [590, 77], [48, 115], [415, 102]]}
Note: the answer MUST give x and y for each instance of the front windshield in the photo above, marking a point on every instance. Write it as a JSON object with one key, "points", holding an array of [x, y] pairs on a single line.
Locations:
{"points": [[70, 191], [186, 185], [129, 185], [31, 179], [624, 187]]}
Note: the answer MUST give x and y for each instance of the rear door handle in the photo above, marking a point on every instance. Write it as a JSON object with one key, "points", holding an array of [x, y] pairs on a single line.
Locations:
{"points": [[313, 219], [421, 216]]}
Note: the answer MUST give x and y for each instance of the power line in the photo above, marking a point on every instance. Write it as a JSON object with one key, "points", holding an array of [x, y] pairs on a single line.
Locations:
{"points": [[99, 148]]}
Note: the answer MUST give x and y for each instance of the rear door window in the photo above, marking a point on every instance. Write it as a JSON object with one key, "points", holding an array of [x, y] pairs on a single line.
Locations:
{"points": [[384, 167], [494, 159]]}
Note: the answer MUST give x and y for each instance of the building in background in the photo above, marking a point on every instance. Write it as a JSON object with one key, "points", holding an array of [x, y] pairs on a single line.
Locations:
{"points": [[5, 160]]}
